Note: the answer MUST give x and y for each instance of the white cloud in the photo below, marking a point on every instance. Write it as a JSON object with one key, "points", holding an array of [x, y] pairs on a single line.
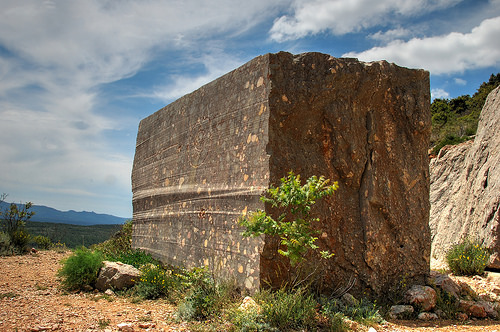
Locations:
{"points": [[460, 81], [215, 64], [344, 16], [439, 93], [54, 57], [452, 53], [390, 35]]}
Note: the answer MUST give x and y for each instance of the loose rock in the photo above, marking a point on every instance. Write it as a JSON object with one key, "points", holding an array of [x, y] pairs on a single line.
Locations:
{"points": [[423, 296]]}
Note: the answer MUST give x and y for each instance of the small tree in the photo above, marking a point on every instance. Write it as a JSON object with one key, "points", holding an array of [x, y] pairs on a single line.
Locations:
{"points": [[13, 219], [291, 197]]}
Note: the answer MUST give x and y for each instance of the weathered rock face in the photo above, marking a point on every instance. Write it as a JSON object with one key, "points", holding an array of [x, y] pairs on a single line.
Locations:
{"points": [[204, 160], [465, 188]]}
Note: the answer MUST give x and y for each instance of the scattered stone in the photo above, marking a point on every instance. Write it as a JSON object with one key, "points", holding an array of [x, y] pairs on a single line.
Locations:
{"points": [[371, 329], [248, 304], [109, 292], [490, 308], [87, 288], [473, 309], [146, 325], [444, 282], [401, 311], [116, 275], [423, 296], [427, 316], [125, 327]]}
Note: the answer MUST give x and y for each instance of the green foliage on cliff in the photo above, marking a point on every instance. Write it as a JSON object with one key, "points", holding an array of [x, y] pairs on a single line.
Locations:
{"points": [[455, 120], [293, 202]]}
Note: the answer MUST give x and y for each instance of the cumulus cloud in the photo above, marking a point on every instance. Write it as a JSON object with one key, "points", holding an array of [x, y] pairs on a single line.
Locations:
{"points": [[460, 81], [439, 93], [344, 16], [390, 35], [215, 65], [451, 53], [54, 58]]}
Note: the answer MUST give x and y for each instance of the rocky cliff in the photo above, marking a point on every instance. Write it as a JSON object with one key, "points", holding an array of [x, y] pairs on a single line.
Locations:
{"points": [[204, 160], [465, 188]]}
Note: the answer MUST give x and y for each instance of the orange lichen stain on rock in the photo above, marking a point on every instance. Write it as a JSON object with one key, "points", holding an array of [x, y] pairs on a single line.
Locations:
{"points": [[244, 211], [240, 268], [284, 98], [245, 177]]}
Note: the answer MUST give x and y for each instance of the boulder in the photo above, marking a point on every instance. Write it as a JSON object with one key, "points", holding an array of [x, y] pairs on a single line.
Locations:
{"points": [[447, 284], [204, 160], [427, 316], [116, 275], [422, 296], [401, 311], [465, 188], [473, 309], [491, 308]]}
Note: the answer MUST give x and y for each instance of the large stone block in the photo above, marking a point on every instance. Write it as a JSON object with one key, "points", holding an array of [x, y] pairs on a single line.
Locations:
{"points": [[204, 160]]}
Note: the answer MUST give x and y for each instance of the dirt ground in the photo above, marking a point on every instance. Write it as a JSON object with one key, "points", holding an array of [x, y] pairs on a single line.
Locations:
{"points": [[31, 300]]}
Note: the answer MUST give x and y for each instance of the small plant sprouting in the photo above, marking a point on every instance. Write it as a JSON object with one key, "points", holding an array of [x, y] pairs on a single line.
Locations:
{"points": [[297, 235], [103, 323]]}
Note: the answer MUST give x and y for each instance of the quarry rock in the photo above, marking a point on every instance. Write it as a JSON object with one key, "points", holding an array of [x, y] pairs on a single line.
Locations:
{"points": [[117, 276], [204, 160], [422, 296], [465, 189]]}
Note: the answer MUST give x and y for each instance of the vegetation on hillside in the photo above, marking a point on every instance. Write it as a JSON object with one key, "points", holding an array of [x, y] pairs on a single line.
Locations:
{"points": [[72, 236], [14, 238], [455, 120]]}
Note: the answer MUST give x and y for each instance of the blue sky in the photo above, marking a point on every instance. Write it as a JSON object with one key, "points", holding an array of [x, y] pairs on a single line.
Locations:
{"points": [[76, 77]]}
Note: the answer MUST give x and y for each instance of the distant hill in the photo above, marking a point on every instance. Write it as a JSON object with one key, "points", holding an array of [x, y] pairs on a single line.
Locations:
{"points": [[84, 218]]}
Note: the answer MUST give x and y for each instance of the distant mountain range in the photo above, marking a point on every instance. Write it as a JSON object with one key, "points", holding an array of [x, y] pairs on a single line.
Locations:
{"points": [[48, 214]]}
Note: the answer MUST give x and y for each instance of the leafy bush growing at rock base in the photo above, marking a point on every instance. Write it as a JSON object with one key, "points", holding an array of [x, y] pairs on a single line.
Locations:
{"points": [[297, 235], [468, 258]]}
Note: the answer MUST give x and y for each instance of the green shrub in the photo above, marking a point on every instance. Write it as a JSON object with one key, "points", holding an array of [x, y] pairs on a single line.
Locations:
{"points": [[42, 242], [249, 320], [363, 311], [80, 269], [20, 240], [5, 245], [119, 243], [288, 309], [134, 257], [468, 258], [291, 197], [205, 297], [155, 282]]}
